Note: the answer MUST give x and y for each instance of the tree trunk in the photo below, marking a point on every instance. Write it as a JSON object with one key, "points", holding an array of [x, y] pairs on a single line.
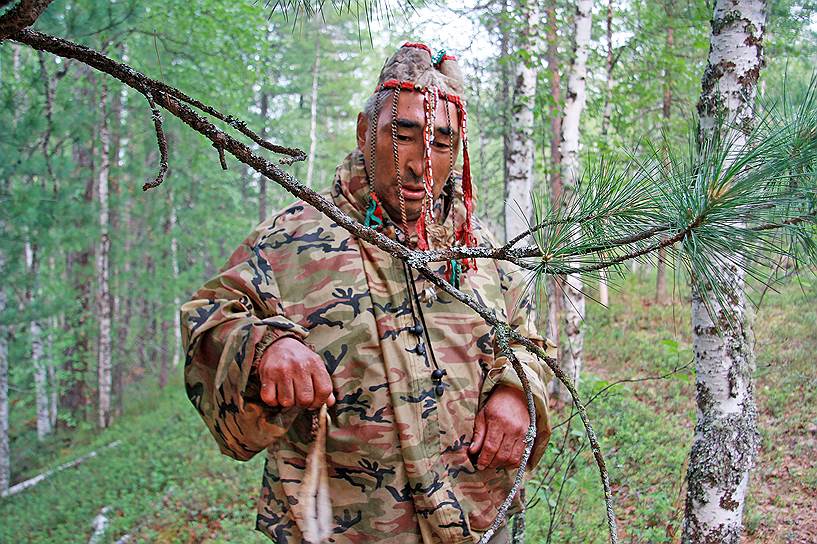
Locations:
{"points": [[573, 300], [162, 353], [553, 287], [313, 110], [666, 111], [726, 437], [53, 396], [262, 181], [505, 94], [119, 142], [5, 452], [75, 396], [125, 309], [518, 189], [174, 262], [604, 291], [103, 274], [35, 333]]}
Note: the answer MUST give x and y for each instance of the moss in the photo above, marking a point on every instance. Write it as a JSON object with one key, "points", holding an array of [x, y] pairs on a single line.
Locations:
{"points": [[719, 23]]}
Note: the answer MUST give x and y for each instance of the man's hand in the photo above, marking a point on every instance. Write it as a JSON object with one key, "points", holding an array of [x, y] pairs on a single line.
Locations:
{"points": [[499, 429], [291, 374]]}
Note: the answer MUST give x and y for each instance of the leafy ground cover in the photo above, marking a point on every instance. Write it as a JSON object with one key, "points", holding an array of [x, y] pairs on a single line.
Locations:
{"points": [[646, 426], [166, 481]]}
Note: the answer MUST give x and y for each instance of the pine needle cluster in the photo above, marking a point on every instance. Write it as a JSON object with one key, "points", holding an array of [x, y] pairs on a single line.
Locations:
{"points": [[717, 201]]}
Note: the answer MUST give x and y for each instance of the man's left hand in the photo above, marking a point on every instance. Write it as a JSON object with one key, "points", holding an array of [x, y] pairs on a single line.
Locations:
{"points": [[499, 429]]}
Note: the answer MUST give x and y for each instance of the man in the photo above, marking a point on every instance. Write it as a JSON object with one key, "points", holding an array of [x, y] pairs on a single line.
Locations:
{"points": [[426, 421]]}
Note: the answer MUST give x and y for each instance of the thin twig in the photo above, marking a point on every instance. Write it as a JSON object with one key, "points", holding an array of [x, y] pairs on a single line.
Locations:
{"points": [[162, 142]]}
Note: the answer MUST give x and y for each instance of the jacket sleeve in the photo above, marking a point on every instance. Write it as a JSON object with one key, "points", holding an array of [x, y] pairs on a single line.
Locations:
{"points": [[522, 318], [226, 326]]}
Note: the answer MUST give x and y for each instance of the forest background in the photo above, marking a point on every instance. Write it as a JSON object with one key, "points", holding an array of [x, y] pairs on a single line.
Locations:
{"points": [[300, 82]]}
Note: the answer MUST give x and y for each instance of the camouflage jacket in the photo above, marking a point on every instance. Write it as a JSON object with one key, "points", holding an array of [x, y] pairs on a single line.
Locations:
{"points": [[395, 448]]}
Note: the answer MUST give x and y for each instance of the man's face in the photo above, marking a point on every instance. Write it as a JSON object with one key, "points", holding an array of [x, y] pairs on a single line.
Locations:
{"points": [[410, 127]]}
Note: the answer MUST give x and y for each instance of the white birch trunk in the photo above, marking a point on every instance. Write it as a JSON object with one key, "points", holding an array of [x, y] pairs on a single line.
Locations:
{"points": [[262, 181], [726, 437], [313, 112], [53, 395], [174, 261], [53, 326], [519, 185], [35, 333], [573, 299], [604, 291], [5, 452], [103, 274]]}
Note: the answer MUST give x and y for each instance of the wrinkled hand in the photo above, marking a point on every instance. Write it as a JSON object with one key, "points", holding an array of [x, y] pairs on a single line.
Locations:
{"points": [[499, 429], [291, 374]]}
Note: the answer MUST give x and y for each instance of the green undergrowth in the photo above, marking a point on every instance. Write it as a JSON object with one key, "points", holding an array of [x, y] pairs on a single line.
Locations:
{"points": [[166, 481], [646, 426]]}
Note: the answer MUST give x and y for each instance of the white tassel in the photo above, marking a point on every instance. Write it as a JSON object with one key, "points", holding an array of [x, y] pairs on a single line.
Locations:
{"points": [[314, 496]]}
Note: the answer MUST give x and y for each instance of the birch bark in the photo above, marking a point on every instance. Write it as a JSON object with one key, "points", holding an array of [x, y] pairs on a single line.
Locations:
{"points": [[726, 438], [103, 273], [573, 294], [519, 185], [35, 334], [5, 452], [262, 181], [174, 261], [313, 109]]}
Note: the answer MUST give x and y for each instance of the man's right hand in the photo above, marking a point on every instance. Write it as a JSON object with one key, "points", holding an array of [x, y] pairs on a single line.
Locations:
{"points": [[291, 374]]}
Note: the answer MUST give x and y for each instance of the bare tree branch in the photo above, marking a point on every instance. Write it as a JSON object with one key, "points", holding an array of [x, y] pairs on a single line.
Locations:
{"points": [[161, 141], [21, 16]]}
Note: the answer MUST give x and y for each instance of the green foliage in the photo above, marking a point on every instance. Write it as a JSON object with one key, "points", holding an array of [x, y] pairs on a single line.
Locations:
{"points": [[165, 482], [231, 56], [747, 200], [645, 423]]}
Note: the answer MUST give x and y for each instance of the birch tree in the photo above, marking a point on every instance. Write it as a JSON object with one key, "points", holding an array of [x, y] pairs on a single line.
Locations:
{"points": [[262, 181], [313, 109], [37, 350], [174, 263], [5, 452], [726, 435], [103, 273], [573, 294], [519, 185]]}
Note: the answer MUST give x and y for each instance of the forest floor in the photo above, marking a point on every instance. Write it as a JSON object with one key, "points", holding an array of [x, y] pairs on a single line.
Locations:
{"points": [[166, 482]]}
